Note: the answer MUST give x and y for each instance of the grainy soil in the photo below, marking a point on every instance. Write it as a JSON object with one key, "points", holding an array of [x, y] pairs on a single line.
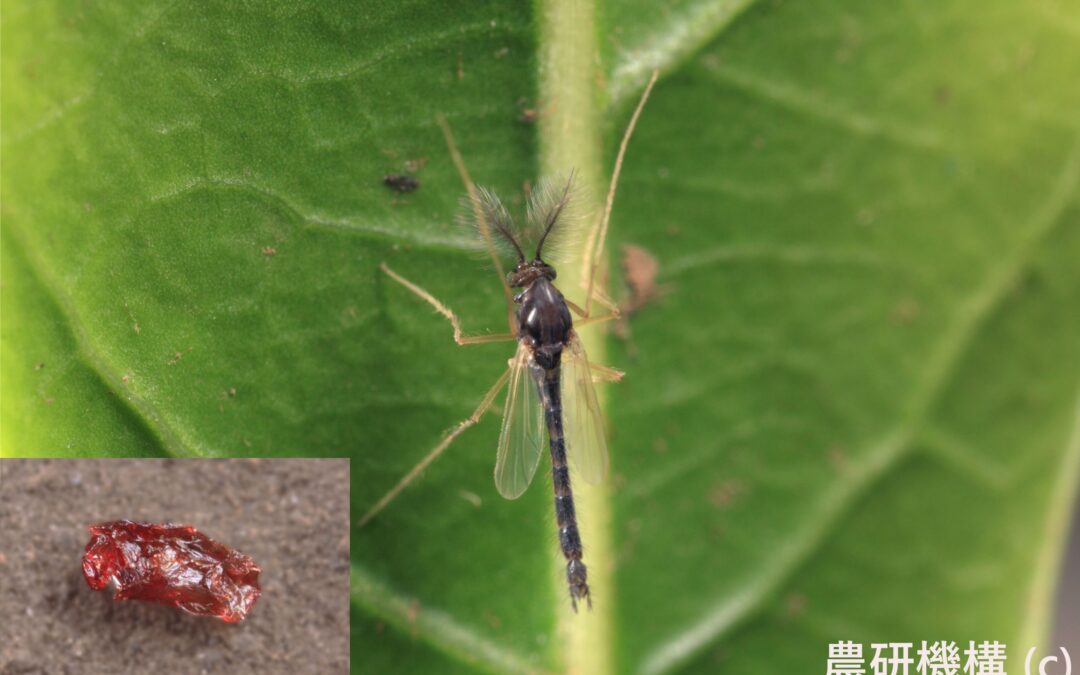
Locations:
{"points": [[290, 515]]}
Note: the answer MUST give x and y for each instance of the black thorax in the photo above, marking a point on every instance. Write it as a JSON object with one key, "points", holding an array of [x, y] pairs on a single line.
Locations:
{"points": [[544, 320]]}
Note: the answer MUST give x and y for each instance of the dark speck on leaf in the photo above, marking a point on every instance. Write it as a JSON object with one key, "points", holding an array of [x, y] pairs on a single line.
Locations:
{"points": [[401, 182]]}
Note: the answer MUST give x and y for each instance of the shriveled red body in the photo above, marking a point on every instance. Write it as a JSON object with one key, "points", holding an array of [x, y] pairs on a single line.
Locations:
{"points": [[172, 564]]}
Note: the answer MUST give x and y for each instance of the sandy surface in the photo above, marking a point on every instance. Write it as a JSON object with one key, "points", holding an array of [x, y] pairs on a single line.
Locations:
{"points": [[1067, 632], [291, 516]]}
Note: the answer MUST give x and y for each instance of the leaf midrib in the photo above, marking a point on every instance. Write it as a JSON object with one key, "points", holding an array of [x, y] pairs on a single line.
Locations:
{"points": [[708, 20], [622, 90]]}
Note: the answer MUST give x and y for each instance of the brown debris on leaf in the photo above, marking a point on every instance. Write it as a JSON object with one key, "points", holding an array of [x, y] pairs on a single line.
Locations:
{"points": [[640, 269]]}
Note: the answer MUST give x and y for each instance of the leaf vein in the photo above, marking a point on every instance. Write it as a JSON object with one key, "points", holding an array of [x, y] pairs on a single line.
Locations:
{"points": [[168, 442], [310, 217], [874, 463], [814, 106], [434, 626], [673, 43]]}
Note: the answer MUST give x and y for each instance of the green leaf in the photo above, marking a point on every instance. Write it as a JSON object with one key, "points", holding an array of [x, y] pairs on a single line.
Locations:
{"points": [[851, 413]]}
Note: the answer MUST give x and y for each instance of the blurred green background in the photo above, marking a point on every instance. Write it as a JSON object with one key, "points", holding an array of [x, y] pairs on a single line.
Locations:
{"points": [[851, 413]]}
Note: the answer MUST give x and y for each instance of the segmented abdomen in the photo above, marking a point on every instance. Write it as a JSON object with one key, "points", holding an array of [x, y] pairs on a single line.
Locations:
{"points": [[548, 383]]}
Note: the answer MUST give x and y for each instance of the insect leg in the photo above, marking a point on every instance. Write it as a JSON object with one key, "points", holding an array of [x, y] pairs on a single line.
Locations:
{"points": [[595, 319], [459, 337], [485, 404], [600, 297], [605, 374], [594, 247], [485, 231], [586, 319]]}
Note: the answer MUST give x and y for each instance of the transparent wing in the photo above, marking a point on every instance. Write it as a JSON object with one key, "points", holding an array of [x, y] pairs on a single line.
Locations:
{"points": [[522, 439], [585, 438]]}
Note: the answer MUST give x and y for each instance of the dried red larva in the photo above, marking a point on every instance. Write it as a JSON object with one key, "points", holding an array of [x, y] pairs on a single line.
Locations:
{"points": [[173, 564]]}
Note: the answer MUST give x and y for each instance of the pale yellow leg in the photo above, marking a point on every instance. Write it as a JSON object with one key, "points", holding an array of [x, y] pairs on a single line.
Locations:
{"points": [[481, 222], [459, 337], [605, 300], [485, 404], [600, 298], [594, 319], [605, 374], [594, 247]]}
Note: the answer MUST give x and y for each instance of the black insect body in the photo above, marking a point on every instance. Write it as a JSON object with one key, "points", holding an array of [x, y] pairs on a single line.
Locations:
{"points": [[550, 396], [545, 332], [550, 399], [401, 182], [545, 320]]}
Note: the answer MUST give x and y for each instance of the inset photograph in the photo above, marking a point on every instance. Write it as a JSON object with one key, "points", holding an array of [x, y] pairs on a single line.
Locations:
{"points": [[174, 565]]}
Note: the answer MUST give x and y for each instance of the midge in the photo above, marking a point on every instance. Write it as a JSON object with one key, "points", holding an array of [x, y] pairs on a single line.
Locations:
{"points": [[550, 378]]}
